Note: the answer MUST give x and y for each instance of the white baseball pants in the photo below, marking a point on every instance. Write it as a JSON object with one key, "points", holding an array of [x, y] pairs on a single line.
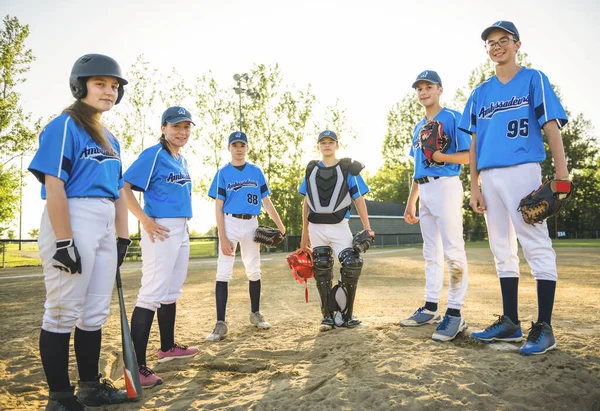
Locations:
{"points": [[164, 265], [441, 218], [240, 231], [337, 236], [81, 299], [503, 189]]}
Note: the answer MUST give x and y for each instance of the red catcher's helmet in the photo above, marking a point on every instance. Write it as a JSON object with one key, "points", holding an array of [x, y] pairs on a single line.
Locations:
{"points": [[301, 264]]}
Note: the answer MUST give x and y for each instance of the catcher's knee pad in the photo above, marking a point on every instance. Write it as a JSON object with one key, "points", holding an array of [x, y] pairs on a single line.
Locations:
{"points": [[351, 266], [323, 264]]}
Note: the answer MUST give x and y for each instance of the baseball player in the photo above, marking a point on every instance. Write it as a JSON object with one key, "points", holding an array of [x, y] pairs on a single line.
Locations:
{"points": [[437, 183], [329, 187], [505, 116], [161, 173], [78, 163], [239, 188]]}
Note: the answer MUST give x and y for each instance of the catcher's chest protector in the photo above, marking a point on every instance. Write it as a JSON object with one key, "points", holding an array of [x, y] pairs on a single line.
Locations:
{"points": [[327, 192]]}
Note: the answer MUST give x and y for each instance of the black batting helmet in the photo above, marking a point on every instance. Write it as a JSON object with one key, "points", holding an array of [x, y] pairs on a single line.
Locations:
{"points": [[94, 65]]}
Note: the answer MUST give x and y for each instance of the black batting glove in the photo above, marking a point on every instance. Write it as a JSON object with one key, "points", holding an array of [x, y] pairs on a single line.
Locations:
{"points": [[122, 246], [67, 257]]}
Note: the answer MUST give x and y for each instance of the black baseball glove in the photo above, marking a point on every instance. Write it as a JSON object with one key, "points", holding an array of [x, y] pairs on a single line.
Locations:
{"points": [[268, 236], [432, 139], [362, 241], [122, 246], [67, 257], [548, 200]]}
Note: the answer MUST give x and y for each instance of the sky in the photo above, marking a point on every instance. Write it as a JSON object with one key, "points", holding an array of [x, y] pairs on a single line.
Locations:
{"points": [[366, 54]]}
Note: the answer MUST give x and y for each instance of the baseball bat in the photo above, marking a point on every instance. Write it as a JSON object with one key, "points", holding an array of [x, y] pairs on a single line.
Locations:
{"points": [[131, 373]]}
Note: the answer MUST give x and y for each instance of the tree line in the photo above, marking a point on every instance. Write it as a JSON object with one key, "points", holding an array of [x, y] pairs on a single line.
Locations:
{"points": [[281, 122]]}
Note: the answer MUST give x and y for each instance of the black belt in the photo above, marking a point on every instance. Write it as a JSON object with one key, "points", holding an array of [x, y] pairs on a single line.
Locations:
{"points": [[242, 216], [425, 180]]}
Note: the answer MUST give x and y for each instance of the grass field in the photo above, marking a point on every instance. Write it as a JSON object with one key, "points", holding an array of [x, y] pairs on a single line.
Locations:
{"points": [[28, 255]]}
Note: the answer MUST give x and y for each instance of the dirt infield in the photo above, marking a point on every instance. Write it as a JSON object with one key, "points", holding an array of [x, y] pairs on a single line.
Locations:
{"points": [[379, 366]]}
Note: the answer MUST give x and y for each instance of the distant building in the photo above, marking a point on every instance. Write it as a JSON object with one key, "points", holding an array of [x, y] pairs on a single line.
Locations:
{"points": [[387, 220]]}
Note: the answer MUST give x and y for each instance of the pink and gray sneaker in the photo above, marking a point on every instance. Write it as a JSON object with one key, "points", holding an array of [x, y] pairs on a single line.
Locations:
{"points": [[177, 351], [148, 378]]}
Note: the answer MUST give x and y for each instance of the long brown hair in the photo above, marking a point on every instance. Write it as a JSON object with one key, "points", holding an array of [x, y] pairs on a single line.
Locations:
{"points": [[164, 143], [86, 116]]}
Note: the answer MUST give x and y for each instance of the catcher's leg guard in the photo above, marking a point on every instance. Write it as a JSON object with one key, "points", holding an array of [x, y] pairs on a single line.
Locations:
{"points": [[323, 264], [351, 267]]}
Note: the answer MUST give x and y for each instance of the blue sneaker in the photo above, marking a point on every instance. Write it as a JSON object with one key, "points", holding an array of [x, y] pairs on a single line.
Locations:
{"points": [[501, 330], [449, 328], [539, 340], [421, 317]]}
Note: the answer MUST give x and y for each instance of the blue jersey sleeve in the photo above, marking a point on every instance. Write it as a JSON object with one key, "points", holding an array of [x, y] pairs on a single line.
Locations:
{"points": [[217, 188], [56, 153], [117, 146], [411, 151], [546, 104], [140, 172], [468, 120], [463, 140], [264, 187], [357, 186], [302, 189]]}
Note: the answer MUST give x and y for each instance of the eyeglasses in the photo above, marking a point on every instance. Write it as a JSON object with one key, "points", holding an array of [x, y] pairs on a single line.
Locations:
{"points": [[502, 42]]}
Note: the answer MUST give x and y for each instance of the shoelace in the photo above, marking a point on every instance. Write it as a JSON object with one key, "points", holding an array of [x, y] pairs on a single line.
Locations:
{"points": [[444, 324], [496, 323], [145, 371], [175, 346], [219, 328], [535, 333]]}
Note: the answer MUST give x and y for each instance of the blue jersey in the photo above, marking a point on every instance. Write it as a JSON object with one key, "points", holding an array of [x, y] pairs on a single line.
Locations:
{"points": [[356, 186], [241, 190], [459, 141], [165, 181], [68, 152], [508, 119]]}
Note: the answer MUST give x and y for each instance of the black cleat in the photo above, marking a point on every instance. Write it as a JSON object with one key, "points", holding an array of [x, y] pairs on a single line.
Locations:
{"points": [[95, 393], [64, 401]]}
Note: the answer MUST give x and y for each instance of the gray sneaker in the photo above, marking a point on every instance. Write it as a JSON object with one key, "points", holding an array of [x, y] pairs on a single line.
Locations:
{"points": [[258, 320], [421, 317], [219, 332], [449, 328]]}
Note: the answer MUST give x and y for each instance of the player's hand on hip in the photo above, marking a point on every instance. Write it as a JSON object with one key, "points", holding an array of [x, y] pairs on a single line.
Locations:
{"points": [[477, 202], [410, 214], [67, 257], [155, 231], [227, 247]]}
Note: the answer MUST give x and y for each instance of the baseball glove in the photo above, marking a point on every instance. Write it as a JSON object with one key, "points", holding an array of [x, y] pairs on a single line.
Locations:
{"points": [[548, 200], [268, 236], [432, 139], [362, 241], [301, 264]]}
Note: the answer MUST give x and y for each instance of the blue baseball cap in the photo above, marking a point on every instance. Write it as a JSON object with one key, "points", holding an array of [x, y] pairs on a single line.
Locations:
{"points": [[176, 114], [327, 133], [238, 136], [507, 26], [429, 76]]}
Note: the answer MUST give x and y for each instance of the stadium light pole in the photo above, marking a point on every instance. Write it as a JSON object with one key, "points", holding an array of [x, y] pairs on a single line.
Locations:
{"points": [[239, 90]]}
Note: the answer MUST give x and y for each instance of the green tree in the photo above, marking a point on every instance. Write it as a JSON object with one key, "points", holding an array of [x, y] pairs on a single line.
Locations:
{"points": [[34, 233], [17, 129], [215, 107], [393, 179]]}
